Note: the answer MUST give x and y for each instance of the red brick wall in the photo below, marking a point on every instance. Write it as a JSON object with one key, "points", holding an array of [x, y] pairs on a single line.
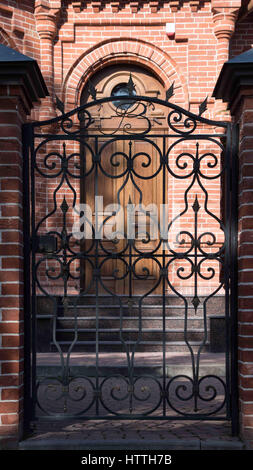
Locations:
{"points": [[12, 114], [190, 50], [244, 116], [17, 27], [242, 38], [242, 41]]}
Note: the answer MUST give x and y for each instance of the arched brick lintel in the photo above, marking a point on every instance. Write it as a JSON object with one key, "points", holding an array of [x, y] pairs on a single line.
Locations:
{"points": [[123, 51]]}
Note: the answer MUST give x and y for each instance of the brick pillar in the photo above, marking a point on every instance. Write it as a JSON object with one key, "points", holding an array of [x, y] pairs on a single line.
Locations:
{"points": [[46, 23], [224, 18], [235, 86], [20, 85]]}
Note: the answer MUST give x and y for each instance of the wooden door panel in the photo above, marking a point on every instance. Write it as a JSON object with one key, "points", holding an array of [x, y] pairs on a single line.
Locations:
{"points": [[115, 187]]}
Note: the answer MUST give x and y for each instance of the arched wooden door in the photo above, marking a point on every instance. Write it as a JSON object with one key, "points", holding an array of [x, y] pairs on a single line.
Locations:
{"points": [[115, 147]]}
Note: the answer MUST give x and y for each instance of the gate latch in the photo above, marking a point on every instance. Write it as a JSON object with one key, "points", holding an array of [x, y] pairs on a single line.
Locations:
{"points": [[46, 244]]}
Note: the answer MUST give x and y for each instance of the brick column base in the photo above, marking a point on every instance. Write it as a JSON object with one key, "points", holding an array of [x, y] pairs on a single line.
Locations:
{"points": [[16, 97], [235, 86]]}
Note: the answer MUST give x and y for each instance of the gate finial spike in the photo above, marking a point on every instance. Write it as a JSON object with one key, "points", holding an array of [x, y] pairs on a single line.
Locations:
{"points": [[64, 206], [92, 90], [196, 205], [170, 92], [59, 104], [130, 85], [203, 106], [195, 302]]}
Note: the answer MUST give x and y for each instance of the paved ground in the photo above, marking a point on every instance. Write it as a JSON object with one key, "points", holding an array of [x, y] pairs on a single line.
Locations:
{"points": [[136, 434], [177, 362], [118, 358]]}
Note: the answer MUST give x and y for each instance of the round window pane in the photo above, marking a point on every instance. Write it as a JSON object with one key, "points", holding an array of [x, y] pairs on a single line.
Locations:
{"points": [[122, 90]]}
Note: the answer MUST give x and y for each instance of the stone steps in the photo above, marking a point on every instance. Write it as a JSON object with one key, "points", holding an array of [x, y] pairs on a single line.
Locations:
{"points": [[45, 304], [109, 316], [114, 310]]}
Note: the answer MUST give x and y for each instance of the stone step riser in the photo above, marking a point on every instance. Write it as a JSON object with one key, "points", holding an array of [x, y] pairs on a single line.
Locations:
{"points": [[45, 305], [130, 323], [91, 348], [148, 312], [133, 336]]}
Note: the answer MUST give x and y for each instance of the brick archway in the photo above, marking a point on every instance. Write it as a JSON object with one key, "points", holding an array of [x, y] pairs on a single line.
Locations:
{"points": [[127, 51]]}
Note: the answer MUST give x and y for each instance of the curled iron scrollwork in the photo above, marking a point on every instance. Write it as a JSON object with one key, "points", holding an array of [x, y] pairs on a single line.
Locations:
{"points": [[131, 394], [74, 272], [190, 395], [71, 396]]}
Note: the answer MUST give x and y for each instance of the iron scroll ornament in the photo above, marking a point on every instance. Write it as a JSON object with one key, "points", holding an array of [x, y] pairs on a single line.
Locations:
{"points": [[63, 167], [177, 115]]}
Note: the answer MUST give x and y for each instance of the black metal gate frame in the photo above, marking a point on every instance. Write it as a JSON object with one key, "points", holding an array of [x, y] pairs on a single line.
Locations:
{"points": [[181, 125]]}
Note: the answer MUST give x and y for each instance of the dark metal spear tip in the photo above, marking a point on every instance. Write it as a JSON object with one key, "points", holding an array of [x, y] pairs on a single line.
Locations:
{"points": [[64, 206], [92, 90], [196, 205], [130, 85]]}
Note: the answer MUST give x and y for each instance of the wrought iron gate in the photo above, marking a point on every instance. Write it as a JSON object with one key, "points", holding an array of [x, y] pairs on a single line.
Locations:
{"points": [[188, 265]]}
